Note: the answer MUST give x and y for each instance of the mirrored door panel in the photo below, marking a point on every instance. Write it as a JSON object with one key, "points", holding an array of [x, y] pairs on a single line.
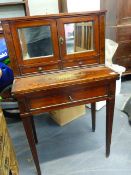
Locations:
{"points": [[79, 37], [36, 42]]}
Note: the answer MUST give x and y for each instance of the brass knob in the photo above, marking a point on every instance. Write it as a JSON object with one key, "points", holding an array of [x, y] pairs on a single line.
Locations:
{"points": [[61, 40], [40, 69]]}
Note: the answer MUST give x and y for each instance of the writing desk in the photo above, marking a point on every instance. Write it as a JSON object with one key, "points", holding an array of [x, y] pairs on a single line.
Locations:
{"points": [[70, 74], [42, 93]]}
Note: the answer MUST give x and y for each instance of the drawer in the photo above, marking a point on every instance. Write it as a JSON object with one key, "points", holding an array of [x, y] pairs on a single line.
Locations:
{"points": [[87, 93], [38, 68], [64, 96], [81, 62], [50, 98]]}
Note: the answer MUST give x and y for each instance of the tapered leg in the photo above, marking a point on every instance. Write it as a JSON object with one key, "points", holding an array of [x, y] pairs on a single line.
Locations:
{"points": [[93, 115], [34, 130], [109, 122], [29, 133]]}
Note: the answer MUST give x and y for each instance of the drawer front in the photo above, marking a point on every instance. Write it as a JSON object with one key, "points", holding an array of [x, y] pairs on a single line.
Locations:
{"points": [[38, 69], [81, 62], [87, 93], [64, 96], [44, 99]]}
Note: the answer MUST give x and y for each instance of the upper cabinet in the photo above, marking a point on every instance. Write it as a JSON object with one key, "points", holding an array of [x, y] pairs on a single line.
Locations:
{"points": [[53, 42]]}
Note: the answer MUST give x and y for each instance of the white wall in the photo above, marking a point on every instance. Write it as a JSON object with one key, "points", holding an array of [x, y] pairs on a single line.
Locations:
{"points": [[41, 7], [83, 5], [5, 1]]}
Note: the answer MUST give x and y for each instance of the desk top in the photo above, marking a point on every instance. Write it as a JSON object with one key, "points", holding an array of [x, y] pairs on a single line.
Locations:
{"points": [[61, 78]]}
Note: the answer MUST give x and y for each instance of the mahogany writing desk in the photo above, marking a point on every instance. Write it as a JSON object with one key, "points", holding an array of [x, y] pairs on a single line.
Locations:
{"points": [[69, 72]]}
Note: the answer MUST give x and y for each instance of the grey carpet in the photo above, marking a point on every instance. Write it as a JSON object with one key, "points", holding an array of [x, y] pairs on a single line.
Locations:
{"points": [[74, 149], [127, 108]]}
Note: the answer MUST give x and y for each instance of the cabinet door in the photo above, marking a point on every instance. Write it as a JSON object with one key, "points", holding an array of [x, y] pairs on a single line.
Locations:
{"points": [[79, 39], [36, 44]]}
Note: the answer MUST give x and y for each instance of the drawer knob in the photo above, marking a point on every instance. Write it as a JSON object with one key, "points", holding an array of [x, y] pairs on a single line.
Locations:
{"points": [[80, 63], [71, 99], [40, 69]]}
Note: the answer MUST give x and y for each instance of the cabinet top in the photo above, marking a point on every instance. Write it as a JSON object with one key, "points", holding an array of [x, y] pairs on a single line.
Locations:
{"points": [[55, 16]]}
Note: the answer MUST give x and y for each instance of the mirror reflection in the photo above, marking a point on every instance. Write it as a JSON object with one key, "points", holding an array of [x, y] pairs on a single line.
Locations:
{"points": [[79, 37], [35, 42]]}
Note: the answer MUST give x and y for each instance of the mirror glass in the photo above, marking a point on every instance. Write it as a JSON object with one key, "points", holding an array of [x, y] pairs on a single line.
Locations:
{"points": [[35, 42], [79, 37]]}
